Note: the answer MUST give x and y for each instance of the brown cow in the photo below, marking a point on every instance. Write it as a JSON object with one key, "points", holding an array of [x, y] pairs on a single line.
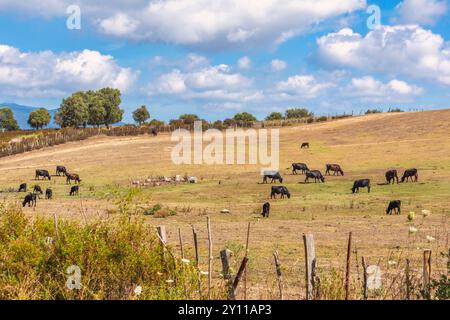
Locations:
{"points": [[72, 176], [335, 168]]}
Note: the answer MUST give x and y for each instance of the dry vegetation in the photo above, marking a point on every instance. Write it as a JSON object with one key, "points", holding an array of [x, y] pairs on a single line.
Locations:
{"points": [[364, 146]]}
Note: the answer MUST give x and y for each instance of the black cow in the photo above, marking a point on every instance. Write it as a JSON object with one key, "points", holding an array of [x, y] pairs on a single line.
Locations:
{"points": [[42, 173], [395, 206], [61, 169], [363, 183], [335, 168], [391, 175], [23, 187], [266, 210], [48, 193], [410, 173], [273, 176], [37, 189], [299, 166], [154, 132], [74, 190], [305, 145], [280, 190], [314, 174], [30, 199]]}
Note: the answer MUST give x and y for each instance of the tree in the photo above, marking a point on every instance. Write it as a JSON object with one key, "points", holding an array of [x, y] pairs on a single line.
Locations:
{"points": [[141, 115], [189, 119], [111, 99], [73, 111], [244, 118], [39, 118], [7, 121], [296, 113], [274, 116], [96, 108]]}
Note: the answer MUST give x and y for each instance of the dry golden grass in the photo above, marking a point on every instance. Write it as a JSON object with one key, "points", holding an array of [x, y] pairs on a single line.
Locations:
{"points": [[364, 146]]}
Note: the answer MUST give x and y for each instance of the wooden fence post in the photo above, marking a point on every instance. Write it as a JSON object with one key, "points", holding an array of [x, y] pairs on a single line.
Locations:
{"points": [[365, 292], [239, 275], [426, 271], [194, 233], [162, 234], [246, 255], [408, 283], [210, 257], [181, 243], [279, 276], [310, 265], [225, 257], [347, 269]]}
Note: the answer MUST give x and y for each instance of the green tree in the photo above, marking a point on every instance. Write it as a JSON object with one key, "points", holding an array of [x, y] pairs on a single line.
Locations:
{"points": [[244, 118], [96, 108], [111, 99], [7, 120], [189, 118], [140, 115], [274, 116], [73, 112], [39, 118], [296, 113]]}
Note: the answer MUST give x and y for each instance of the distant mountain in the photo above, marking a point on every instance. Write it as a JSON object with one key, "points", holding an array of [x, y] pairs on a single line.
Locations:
{"points": [[21, 114]]}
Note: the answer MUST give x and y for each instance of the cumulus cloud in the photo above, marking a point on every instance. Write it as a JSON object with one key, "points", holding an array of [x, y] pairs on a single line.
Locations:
{"points": [[210, 83], [215, 24], [370, 89], [407, 50], [47, 73], [278, 65], [303, 86], [424, 12]]}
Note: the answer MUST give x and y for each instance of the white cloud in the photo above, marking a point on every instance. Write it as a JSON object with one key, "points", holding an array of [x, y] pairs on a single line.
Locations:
{"points": [[210, 83], [215, 24], [245, 63], [394, 50], [278, 65], [303, 86], [371, 89], [38, 73], [424, 12]]}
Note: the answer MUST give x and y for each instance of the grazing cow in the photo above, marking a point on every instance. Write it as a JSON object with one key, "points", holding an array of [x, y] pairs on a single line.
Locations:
{"points": [[48, 193], [305, 145], [23, 187], [61, 169], [72, 176], [42, 173], [280, 190], [363, 183], [394, 206], [273, 175], [266, 210], [391, 175], [74, 190], [335, 168], [154, 132], [299, 166], [30, 199], [410, 173], [314, 174], [37, 189]]}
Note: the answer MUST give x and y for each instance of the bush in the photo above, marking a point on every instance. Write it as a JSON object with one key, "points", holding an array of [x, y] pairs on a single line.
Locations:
{"points": [[371, 111], [322, 119], [114, 257]]}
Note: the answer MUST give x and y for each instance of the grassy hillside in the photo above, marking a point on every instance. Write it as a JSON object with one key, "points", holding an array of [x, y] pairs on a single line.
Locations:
{"points": [[364, 146]]}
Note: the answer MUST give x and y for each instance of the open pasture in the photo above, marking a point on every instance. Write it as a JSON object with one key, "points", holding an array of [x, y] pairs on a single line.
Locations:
{"points": [[365, 147]]}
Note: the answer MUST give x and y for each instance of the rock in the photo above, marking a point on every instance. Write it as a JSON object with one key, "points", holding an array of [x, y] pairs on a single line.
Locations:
{"points": [[179, 178], [224, 211]]}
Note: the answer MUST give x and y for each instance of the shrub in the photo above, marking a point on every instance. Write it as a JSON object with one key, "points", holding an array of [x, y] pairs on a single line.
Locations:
{"points": [[114, 257]]}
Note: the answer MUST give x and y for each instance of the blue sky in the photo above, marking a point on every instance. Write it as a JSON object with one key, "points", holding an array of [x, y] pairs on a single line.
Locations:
{"points": [[216, 58]]}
